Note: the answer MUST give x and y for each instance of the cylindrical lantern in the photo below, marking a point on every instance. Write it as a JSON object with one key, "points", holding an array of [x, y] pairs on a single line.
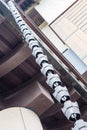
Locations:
{"points": [[18, 118]]}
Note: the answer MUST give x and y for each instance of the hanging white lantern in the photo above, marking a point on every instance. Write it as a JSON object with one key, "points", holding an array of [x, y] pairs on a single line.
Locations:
{"points": [[18, 118], [80, 125], [61, 94], [71, 110]]}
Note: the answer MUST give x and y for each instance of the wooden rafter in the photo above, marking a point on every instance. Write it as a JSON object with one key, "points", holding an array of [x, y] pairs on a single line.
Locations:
{"points": [[15, 58]]}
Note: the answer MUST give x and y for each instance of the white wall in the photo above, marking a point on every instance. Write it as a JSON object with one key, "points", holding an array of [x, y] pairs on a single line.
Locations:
{"points": [[54, 39], [51, 9]]}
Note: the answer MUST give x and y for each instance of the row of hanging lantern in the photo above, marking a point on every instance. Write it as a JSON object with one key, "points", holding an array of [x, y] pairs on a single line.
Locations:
{"points": [[61, 94]]}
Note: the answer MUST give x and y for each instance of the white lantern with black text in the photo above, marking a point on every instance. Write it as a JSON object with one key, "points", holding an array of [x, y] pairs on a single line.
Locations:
{"points": [[18, 118]]}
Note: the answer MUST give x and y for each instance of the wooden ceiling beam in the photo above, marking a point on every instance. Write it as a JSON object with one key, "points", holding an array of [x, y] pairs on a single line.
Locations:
{"points": [[2, 105], [57, 121], [51, 111], [15, 58], [67, 127], [33, 96], [2, 19], [23, 85]]}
